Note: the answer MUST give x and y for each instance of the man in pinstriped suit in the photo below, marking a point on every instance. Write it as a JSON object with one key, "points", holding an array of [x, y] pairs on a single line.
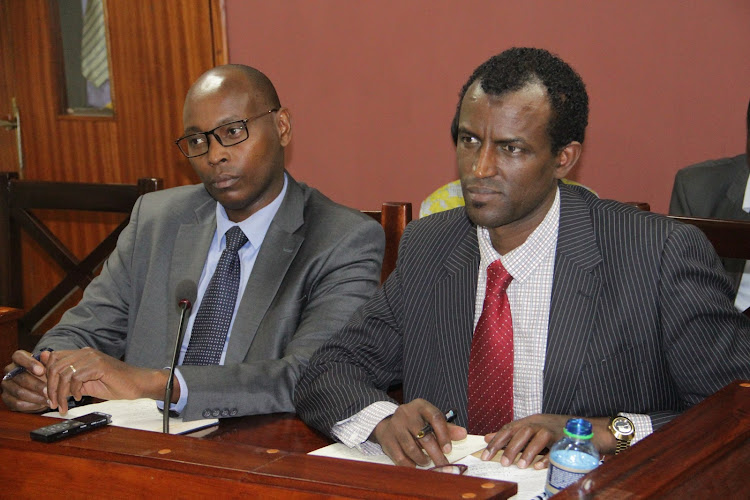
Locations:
{"points": [[614, 310]]}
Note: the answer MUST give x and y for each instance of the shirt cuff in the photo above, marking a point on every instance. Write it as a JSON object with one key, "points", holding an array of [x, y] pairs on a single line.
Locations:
{"points": [[642, 424], [182, 402], [355, 430]]}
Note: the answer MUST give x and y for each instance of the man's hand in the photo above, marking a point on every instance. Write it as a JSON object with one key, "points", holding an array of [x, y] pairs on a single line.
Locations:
{"points": [[396, 435], [530, 435], [90, 372], [25, 392]]}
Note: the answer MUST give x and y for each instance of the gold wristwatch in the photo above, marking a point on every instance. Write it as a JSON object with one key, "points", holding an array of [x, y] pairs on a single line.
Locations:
{"points": [[623, 430]]}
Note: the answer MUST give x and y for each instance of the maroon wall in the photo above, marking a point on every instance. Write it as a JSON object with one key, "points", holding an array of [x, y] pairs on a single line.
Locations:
{"points": [[372, 85]]}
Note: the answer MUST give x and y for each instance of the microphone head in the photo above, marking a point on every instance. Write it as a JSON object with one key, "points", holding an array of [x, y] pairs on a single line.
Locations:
{"points": [[185, 293]]}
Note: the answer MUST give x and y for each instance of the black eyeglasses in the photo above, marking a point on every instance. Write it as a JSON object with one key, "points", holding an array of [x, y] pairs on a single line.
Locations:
{"points": [[228, 134]]}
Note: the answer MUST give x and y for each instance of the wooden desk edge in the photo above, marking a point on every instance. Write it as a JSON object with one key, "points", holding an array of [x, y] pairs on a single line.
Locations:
{"points": [[193, 464]]}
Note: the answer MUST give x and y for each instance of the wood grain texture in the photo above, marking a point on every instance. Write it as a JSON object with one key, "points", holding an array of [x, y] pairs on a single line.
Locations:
{"points": [[118, 462], [701, 454], [157, 49]]}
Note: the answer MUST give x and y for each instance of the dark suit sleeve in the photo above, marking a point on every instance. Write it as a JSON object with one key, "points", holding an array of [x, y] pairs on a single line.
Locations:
{"points": [[705, 341], [678, 203], [355, 368], [348, 277]]}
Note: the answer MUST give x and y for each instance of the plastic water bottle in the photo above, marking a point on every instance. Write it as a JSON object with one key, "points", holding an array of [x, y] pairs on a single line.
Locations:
{"points": [[571, 457]]}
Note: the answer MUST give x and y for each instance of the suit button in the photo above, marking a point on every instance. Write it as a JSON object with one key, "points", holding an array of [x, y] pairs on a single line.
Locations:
{"points": [[225, 412], [216, 413], [233, 412], [206, 413]]}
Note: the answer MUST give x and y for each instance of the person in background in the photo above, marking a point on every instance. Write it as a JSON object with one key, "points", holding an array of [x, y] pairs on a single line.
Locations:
{"points": [[273, 268], [534, 303], [719, 189]]}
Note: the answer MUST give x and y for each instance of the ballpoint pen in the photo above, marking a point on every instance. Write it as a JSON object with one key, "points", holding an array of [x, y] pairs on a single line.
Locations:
{"points": [[20, 369], [450, 416]]}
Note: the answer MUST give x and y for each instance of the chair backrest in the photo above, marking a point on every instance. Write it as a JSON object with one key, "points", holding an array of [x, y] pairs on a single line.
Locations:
{"points": [[18, 200], [730, 238], [393, 216]]}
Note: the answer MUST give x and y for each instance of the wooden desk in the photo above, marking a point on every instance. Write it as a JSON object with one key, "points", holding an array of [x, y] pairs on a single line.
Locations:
{"points": [[247, 457], [704, 453]]}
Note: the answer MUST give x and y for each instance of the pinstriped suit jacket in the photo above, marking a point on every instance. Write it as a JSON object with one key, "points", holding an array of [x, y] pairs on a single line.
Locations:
{"points": [[641, 320]]}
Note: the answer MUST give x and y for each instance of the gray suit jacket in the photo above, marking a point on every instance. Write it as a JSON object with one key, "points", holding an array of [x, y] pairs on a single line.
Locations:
{"points": [[318, 263], [640, 320], [714, 189]]}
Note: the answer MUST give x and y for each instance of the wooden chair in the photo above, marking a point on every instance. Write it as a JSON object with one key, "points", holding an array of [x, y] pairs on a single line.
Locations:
{"points": [[393, 216], [18, 200], [730, 238]]}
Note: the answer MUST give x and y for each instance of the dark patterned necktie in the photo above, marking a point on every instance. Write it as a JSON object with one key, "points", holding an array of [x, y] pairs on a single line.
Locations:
{"points": [[491, 359], [214, 316]]}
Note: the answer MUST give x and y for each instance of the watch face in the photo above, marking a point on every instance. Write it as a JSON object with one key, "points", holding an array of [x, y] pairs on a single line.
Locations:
{"points": [[623, 426]]}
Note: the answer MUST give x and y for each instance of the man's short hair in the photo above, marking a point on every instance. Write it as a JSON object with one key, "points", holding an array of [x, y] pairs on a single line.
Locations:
{"points": [[519, 66]]}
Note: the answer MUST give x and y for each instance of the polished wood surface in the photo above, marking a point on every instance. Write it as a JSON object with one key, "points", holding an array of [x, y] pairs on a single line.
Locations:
{"points": [[232, 461], [704, 453], [393, 216], [8, 333]]}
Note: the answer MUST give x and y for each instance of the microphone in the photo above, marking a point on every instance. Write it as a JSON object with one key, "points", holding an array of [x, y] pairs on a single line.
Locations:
{"points": [[186, 293]]}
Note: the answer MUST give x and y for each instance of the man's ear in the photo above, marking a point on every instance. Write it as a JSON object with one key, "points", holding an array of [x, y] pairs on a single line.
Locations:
{"points": [[284, 126], [567, 157]]}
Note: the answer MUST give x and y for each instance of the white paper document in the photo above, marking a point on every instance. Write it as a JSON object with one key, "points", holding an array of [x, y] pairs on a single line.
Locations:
{"points": [[139, 414], [530, 481], [460, 449]]}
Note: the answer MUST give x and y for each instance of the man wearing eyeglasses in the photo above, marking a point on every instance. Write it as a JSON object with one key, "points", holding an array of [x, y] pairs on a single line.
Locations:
{"points": [[273, 268]]}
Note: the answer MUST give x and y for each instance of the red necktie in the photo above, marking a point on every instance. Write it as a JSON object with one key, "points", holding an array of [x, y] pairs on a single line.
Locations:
{"points": [[491, 358]]}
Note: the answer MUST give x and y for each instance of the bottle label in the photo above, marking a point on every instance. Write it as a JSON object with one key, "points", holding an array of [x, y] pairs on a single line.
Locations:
{"points": [[561, 476]]}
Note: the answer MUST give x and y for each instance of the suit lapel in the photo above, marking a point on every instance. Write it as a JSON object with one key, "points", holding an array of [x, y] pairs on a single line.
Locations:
{"points": [[573, 307], [276, 254], [455, 292], [188, 259]]}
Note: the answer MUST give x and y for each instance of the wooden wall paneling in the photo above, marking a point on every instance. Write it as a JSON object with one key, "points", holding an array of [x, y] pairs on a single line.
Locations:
{"points": [[8, 148], [157, 49], [156, 63]]}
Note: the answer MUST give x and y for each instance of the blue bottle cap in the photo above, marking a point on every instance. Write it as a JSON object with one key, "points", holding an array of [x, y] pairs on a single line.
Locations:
{"points": [[579, 428]]}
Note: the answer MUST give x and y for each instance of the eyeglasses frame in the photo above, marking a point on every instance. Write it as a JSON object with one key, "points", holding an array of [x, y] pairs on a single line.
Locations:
{"points": [[218, 139]]}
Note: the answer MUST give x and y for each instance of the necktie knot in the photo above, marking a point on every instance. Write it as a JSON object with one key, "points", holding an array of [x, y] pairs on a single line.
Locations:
{"points": [[235, 239], [498, 278]]}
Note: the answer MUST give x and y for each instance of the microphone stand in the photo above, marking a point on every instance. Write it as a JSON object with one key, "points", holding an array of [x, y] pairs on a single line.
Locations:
{"points": [[184, 305]]}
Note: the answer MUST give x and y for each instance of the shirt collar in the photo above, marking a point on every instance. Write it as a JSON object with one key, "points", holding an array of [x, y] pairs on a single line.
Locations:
{"points": [[521, 261], [256, 226]]}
